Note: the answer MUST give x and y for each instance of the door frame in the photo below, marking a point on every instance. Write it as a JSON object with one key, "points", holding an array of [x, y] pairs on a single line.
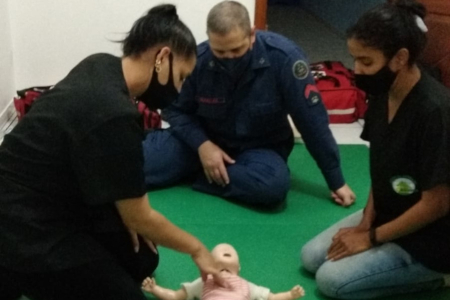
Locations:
{"points": [[261, 14]]}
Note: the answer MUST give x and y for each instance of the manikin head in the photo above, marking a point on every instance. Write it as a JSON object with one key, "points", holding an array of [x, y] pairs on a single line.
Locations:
{"points": [[226, 256]]}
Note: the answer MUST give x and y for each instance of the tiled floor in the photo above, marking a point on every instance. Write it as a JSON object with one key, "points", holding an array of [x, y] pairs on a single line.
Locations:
{"points": [[345, 134], [348, 133]]}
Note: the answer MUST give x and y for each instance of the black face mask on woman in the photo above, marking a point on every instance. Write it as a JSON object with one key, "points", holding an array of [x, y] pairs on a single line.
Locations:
{"points": [[158, 96], [378, 83]]}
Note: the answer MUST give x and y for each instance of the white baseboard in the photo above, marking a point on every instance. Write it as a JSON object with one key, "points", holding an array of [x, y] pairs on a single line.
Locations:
{"points": [[8, 119]]}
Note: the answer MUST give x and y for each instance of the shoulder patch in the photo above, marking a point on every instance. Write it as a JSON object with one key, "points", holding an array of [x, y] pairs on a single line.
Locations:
{"points": [[312, 94], [300, 69]]}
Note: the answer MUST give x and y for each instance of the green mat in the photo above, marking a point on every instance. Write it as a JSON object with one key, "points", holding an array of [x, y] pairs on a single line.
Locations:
{"points": [[268, 243]]}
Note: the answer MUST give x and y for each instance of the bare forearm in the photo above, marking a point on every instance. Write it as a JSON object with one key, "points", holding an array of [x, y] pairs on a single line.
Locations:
{"points": [[414, 219], [140, 217], [369, 213], [160, 230], [433, 206]]}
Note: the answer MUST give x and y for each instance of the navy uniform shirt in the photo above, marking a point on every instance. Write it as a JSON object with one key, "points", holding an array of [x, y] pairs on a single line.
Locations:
{"points": [[251, 112], [408, 156]]}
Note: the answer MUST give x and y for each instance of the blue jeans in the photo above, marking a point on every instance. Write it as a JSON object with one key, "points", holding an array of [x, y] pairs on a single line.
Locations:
{"points": [[381, 271], [259, 176]]}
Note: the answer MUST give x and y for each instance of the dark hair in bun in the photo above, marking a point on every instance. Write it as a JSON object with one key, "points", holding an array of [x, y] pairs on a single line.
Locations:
{"points": [[392, 26], [160, 26]]}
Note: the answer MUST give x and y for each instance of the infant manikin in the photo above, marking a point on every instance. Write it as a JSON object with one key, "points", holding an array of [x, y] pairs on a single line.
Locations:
{"points": [[237, 288]]}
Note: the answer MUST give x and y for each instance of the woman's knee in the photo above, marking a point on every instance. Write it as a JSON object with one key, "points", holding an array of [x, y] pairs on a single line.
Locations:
{"points": [[312, 256], [330, 279]]}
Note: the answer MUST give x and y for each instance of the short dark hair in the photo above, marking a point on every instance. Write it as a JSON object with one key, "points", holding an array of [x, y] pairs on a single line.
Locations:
{"points": [[160, 25], [226, 16], [392, 26]]}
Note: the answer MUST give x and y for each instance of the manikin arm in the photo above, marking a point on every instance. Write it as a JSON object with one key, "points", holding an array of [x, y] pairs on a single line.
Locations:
{"points": [[149, 285], [295, 293]]}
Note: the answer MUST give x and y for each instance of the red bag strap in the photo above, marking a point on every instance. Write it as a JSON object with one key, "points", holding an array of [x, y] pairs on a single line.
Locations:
{"points": [[152, 119], [26, 97], [320, 76], [38, 89]]}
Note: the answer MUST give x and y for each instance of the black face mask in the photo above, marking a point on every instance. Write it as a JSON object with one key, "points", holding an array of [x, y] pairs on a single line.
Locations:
{"points": [[236, 66], [376, 84], [158, 96]]}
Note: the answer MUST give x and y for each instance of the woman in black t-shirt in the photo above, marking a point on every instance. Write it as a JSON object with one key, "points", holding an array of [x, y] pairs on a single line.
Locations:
{"points": [[400, 243], [75, 220]]}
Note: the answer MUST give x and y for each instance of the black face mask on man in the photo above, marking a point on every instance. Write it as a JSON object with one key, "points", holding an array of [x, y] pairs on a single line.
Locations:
{"points": [[236, 66], [158, 96], [376, 84]]}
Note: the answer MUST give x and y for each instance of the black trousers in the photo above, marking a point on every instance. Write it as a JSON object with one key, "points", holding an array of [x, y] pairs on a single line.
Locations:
{"points": [[119, 278]]}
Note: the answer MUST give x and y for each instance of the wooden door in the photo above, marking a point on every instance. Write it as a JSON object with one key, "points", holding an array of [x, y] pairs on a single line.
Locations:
{"points": [[261, 14]]}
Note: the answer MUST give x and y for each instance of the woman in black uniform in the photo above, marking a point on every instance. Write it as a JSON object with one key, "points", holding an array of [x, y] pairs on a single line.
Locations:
{"points": [[400, 243], [75, 220]]}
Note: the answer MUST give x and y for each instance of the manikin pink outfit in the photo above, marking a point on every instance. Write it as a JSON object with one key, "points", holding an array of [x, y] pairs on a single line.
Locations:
{"points": [[239, 289]]}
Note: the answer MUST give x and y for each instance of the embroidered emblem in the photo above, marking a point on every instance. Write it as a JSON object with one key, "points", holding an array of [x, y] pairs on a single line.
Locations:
{"points": [[312, 94], [310, 88], [300, 69], [403, 185]]}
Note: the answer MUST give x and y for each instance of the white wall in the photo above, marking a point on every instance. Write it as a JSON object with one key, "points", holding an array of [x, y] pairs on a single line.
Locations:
{"points": [[6, 59], [49, 37]]}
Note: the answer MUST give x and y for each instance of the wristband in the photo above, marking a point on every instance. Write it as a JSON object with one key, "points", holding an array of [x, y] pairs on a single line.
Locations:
{"points": [[373, 237]]}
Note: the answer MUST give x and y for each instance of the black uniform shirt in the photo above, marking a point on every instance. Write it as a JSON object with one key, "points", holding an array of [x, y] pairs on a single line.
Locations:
{"points": [[62, 167], [408, 156]]}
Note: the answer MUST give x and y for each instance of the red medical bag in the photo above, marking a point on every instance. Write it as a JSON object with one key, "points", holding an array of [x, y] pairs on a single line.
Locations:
{"points": [[26, 97], [345, 103]]}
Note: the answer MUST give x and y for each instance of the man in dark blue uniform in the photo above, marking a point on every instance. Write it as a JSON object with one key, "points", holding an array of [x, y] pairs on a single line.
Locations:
{"points": [[231, 117]]}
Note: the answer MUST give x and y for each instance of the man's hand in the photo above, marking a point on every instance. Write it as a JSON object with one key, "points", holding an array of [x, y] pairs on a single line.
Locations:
{"points": [[213, 160], [344, 196], [349, 241]]}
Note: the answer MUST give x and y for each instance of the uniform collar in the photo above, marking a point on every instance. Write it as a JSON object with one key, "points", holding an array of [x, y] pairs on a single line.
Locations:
{"points": [[260, 58]]}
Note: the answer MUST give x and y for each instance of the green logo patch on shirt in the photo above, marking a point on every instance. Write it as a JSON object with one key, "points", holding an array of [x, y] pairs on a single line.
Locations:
{"points": [[403, 185]]}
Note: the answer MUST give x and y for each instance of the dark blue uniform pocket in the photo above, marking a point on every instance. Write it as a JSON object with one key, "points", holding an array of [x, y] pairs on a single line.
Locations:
{"points": [[267, 117], [211, 107], [263, 109]]}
